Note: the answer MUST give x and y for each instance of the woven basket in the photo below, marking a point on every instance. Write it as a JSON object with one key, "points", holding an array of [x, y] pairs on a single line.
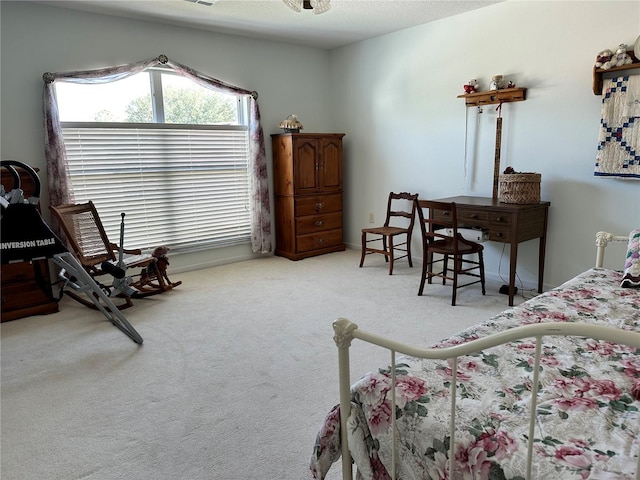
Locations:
{"points": [[520, 188]]}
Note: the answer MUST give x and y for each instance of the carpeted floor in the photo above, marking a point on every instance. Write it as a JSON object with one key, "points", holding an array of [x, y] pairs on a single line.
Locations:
{"points": [[237, 370]]}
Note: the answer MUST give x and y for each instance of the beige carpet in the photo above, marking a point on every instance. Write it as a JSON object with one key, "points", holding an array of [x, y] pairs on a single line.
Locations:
{"points": [[237, 370]]}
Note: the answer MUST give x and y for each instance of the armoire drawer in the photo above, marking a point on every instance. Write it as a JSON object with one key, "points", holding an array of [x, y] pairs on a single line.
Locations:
{"points": [[318, 223], [316, 241], [315, 204], [19, 272], [22, 294]]}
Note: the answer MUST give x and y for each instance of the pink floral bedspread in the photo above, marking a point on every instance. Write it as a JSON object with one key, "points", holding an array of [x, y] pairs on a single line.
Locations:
{"points": [[588, 424]]}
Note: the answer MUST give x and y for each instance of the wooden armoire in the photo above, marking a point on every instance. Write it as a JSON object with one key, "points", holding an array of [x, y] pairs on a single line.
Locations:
{"points": [[307, 171]]}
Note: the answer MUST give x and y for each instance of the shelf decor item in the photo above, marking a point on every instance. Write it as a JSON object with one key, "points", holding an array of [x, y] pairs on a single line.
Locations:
{"points": [[497, 83], [519, 187], [609, 61], [291, 124]]}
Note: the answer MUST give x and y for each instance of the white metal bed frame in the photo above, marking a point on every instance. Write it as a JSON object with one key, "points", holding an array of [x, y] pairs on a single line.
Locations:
{"points": [[345, 331]]}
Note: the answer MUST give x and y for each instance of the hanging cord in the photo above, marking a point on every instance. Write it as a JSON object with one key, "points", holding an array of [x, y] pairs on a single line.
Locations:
{"points": [[479, 111], [466, 143]]}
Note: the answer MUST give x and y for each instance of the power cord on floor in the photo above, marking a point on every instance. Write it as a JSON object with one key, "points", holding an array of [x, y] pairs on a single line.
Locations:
{"points": [[527, 294]]}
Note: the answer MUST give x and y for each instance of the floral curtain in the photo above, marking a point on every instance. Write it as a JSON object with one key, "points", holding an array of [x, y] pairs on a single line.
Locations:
{"points": [[58, 172]]}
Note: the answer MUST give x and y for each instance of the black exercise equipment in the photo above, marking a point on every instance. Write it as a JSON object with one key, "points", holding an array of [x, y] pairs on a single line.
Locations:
{"points": [[24, 236]]}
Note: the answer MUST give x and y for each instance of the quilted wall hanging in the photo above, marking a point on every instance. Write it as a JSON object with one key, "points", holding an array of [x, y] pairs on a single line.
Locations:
{"points": [[619, 137]]}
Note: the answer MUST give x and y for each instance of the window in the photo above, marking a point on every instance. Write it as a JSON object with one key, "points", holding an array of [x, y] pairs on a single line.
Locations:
{"points": [[169, 153]]}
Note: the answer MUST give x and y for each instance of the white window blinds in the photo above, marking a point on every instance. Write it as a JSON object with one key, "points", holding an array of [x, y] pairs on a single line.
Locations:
{"points": [[186, 187]]}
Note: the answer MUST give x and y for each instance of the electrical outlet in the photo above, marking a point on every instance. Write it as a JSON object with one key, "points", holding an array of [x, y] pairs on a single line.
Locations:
{"points": [[372, 218]]}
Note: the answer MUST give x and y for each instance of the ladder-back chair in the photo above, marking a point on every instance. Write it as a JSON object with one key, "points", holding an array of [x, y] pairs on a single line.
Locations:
{"points": [[439, 227], [400, 209]]}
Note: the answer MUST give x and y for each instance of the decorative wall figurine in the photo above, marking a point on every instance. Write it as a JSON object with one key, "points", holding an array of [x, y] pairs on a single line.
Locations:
{"points": [[603, 57], [291, 124], [472, 86], [621, 56], [607, 59], [497, 83]]}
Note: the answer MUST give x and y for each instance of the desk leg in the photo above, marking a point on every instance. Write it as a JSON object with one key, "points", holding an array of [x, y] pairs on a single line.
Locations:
{"points": [[542, 250], [541, 264], [513, 260]]}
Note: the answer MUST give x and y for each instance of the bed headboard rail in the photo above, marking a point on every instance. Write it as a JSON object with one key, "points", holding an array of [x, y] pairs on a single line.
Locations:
{"points": [[345, 332], [602, 240]]}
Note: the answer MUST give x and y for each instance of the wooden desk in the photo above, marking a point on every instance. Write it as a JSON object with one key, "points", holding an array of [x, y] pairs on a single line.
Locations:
{"points": [[506, 223]]}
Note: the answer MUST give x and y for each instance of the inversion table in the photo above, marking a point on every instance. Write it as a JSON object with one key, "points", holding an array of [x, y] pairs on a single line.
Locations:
{"points": [[24, 236]]}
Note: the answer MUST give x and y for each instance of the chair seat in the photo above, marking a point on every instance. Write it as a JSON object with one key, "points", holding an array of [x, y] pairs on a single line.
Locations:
{"points": [[445, 247], [385, 230]]}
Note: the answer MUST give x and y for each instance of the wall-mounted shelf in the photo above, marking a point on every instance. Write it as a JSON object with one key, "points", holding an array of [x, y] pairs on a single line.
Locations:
{"points": [[495, 96], [599, 72]]}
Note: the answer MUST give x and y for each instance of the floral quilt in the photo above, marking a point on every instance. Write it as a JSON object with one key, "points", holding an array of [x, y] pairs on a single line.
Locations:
{"points": [[588, 423]]}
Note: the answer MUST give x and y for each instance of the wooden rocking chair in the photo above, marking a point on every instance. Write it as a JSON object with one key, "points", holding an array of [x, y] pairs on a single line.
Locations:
{"points": [[88, 241]]}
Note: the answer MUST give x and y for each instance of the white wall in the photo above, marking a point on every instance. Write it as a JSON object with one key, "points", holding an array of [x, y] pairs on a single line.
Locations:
{"points": [[395, 96], [37, 38]]}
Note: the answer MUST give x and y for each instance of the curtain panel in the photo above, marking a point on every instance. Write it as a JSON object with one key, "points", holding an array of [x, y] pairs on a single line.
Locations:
{"points": [[59, 183]]}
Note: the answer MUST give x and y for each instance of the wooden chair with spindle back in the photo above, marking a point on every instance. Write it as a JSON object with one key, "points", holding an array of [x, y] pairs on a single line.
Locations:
{"points": [[400, 209], [439, 228]]}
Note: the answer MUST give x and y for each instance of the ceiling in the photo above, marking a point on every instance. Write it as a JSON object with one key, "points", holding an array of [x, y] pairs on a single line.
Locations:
{"points": [[347, 22]]}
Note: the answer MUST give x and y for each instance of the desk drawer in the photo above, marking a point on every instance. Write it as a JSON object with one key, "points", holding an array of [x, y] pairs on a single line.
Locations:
{"points": [[473, 218], [498, 219], [500, 234], [500, 227], [441, 215]]}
